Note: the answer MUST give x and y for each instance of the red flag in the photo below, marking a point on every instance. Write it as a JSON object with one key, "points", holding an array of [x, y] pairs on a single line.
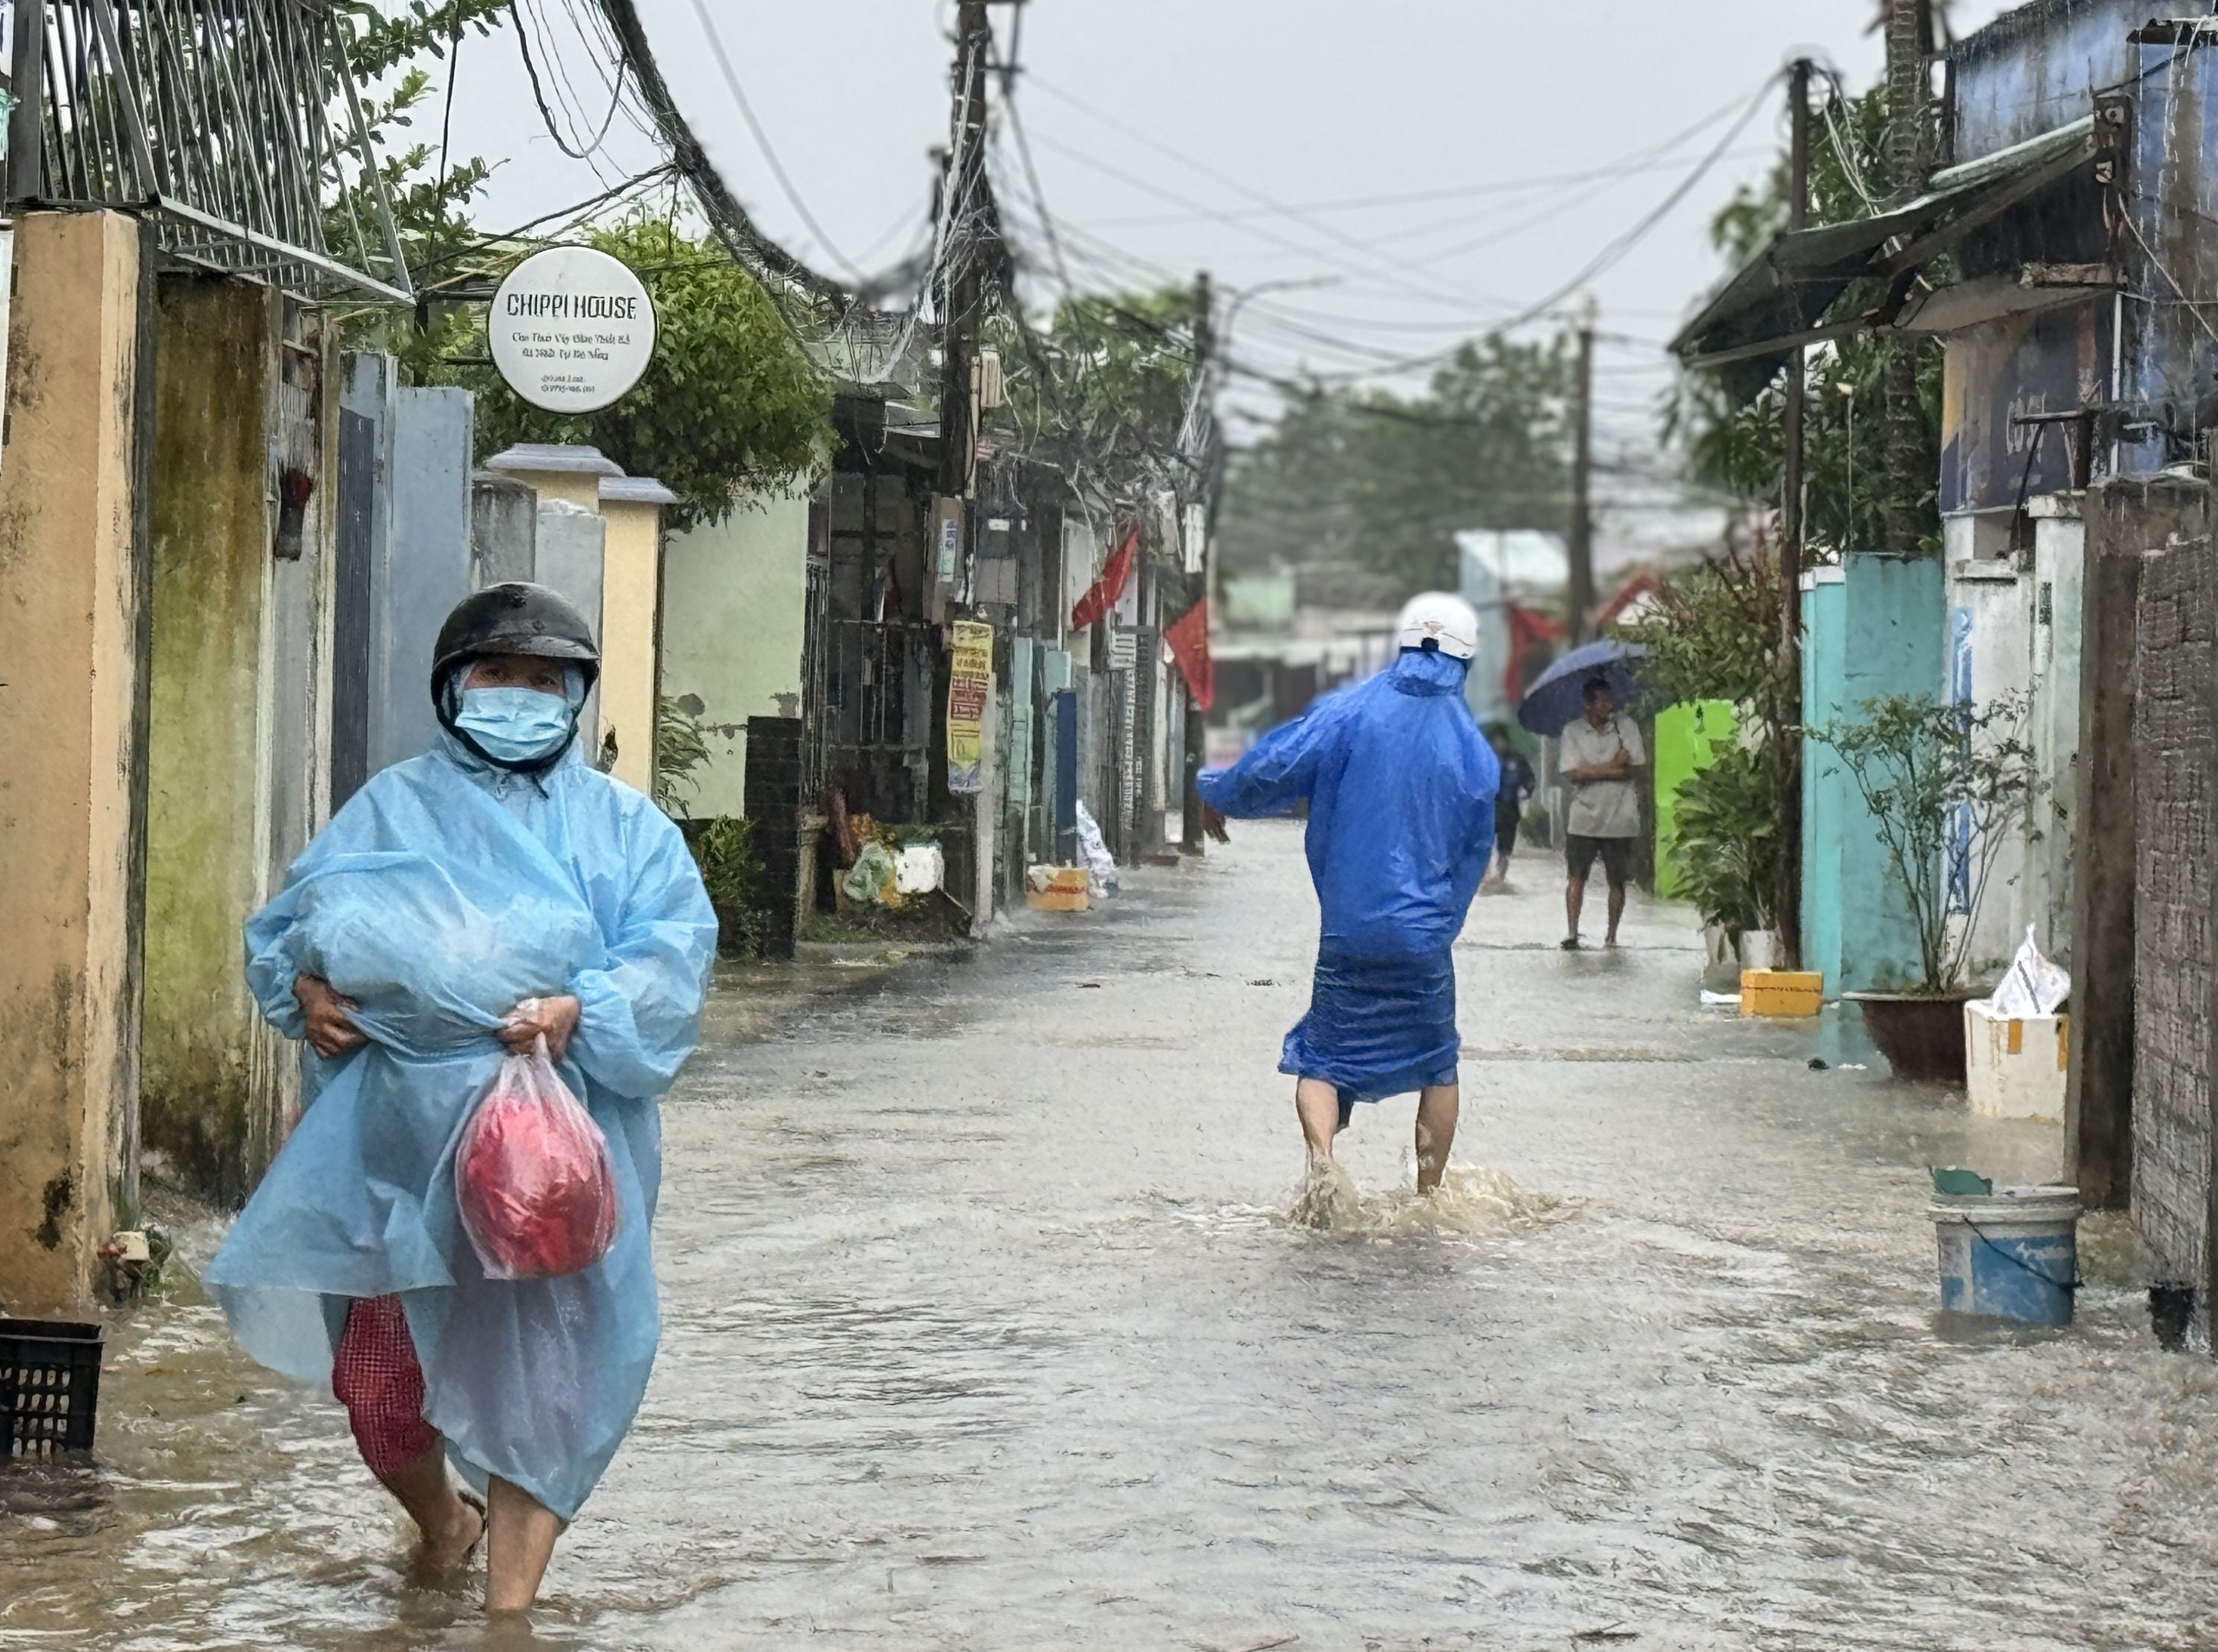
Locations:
{"points": [[1188, 638], [1102, 596]]}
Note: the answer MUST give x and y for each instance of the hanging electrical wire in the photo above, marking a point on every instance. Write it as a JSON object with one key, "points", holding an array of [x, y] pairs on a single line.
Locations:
{"points": [[762, 141], [517, 11], [809, 302]]}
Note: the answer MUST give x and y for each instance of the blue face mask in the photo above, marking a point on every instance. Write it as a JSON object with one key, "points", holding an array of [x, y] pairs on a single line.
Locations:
{"points": [[516, 725]]}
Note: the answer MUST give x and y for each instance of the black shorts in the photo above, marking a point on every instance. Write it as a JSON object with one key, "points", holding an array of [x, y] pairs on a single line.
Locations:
{"points": [[1616, 853], [1505, 835]]}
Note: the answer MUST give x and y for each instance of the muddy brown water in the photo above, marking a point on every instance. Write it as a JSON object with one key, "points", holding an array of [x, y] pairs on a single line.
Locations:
{"points": [[987, 1327]]}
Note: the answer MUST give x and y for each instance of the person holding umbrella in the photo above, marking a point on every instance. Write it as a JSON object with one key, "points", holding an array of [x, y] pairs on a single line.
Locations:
{"points": [[1599, 756]]}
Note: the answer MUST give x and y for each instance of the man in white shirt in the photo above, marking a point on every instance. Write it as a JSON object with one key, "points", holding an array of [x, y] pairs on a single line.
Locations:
{"points": [[1601, 757]]}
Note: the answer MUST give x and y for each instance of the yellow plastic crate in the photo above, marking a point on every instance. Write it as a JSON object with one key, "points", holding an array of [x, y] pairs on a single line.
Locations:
{"points": [[1781, 992]]}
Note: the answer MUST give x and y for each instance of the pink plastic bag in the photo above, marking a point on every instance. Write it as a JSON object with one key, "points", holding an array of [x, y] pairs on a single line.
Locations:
{"points": [[533, 1176]]}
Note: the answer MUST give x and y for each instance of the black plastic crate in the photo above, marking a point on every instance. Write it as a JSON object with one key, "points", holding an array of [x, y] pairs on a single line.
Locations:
{"points": [[49, 1386]]}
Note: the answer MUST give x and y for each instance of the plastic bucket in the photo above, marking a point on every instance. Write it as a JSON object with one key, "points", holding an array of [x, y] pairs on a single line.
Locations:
{"points": [[2010, 1255]]}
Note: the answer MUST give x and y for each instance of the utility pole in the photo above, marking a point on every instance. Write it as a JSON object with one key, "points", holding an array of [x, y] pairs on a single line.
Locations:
{"points": [[1909, 34], [1582, 478], [1189, 836], [1787, 761], [964, 297]]}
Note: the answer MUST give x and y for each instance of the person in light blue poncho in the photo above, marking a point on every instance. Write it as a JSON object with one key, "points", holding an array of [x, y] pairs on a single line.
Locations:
{"points": [[1400, 788], [493, 892]]}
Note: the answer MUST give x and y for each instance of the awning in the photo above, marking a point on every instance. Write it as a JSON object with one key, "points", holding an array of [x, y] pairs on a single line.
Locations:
{"points": [[1778, 300]]}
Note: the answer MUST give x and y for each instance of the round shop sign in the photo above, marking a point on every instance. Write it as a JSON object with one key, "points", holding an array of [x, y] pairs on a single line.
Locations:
{"points": [[571, 329]]}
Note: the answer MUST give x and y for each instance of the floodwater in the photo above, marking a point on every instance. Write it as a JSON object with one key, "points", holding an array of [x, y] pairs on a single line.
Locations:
{"points": [[987, 1328]]}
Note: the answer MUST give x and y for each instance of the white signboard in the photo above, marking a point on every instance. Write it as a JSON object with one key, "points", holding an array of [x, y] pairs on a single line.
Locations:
{"points": [[571, 329]]}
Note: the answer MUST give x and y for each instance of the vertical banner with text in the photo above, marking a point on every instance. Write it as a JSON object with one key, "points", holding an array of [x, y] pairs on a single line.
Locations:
{"points": [[970, 679]]}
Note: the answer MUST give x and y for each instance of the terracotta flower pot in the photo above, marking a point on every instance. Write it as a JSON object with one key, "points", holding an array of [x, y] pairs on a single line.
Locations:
{"points": [[1922, 1035]]}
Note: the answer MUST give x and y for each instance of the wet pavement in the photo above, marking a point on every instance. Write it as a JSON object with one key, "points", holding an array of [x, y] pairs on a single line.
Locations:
{"points": [[987, 1327]]}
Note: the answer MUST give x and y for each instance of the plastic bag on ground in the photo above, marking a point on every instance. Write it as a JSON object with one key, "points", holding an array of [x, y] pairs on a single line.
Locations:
{"points": [[873, 879], [533, 1178], [1101, 865], [919, 869], [2033, 987]]}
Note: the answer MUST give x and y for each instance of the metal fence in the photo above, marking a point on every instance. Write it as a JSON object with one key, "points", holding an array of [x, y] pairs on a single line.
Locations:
{"points": [[235, 125]]}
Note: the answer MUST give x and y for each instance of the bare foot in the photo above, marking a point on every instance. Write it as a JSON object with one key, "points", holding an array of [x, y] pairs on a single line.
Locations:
{"points": [[445, 1552]]}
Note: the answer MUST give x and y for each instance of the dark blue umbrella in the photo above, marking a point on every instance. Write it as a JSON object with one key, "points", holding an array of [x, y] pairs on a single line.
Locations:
{"points": [[1560, 694]]}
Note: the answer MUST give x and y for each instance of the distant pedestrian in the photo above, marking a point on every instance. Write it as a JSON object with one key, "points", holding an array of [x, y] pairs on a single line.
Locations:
{"points": [[1517, 788], [1601, 757], [496, 894], [1401, 793]]}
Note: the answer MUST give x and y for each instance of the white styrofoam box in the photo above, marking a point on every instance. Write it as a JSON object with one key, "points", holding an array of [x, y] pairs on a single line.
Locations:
{"points": [[2015, 1067]]}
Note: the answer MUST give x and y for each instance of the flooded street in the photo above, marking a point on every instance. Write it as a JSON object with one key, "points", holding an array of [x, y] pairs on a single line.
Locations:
{"points": [[986, 1328]]}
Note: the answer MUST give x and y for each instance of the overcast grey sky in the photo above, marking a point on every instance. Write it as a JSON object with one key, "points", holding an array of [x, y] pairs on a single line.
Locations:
{"points": [[1173, 135]]}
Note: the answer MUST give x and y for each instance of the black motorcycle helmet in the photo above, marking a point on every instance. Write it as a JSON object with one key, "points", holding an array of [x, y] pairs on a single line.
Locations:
{"points": [[516, 618]]}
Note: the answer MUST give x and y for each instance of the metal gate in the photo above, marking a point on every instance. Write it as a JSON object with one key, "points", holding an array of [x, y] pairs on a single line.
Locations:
{"points": [[871, 652]]}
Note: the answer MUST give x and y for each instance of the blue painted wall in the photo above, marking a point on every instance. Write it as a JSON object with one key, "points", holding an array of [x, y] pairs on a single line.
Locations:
{"points": [[2036, 69], [1872, 627], [2039, 68]]}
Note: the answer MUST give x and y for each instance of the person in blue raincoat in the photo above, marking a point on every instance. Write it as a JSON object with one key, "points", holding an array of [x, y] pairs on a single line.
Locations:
{"points": [[1400, 788], [493, 892]]}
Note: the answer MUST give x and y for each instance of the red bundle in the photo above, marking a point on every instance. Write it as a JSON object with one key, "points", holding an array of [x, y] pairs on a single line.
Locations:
{"points": [[533, 1176]]}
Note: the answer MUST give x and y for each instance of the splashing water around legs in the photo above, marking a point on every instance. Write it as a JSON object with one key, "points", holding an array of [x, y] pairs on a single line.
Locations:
{"points": [[1317, 1104], [1469, 1199]]}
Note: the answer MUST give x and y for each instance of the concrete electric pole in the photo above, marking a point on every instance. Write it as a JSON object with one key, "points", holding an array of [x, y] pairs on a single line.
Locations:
{"points": [[1582, 477], [964, 294], [1787, 919], [1190, 835], [1909, 35]]}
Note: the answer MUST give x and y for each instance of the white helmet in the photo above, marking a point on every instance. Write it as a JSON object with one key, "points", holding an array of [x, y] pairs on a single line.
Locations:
{"points": [[1445, 620]]}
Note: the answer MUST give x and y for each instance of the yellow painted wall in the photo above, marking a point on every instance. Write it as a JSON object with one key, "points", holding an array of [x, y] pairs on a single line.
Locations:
{"points": [[584, 491], [735, 594], [71, 602], [631, 572]]}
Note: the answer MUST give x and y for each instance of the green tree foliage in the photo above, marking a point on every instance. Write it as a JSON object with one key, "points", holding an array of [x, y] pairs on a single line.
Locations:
{"points": [[1488, 447], [430, 193], [1738, 447], [1716, 631], [1726, 837], [1287, 497], [728, 405], [1387, 481]]}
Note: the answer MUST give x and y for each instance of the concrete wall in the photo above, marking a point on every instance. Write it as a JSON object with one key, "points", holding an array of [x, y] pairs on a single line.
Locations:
{"points": [[2035, 69], [2060, 555], [631, 587], [209, 1073], [573, 542], [1990, 656], [425, 568], [735, 595], [2176, 740], [2122, 518], [504, 531], [73, 594], [1874, 628]]}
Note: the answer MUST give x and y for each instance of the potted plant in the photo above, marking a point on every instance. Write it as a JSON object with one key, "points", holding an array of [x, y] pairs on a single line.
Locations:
{"points": [[1726, 848], [1946, 782]]}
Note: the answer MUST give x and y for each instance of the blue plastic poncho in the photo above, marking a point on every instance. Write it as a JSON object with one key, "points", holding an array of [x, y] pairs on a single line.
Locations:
{"points": [[1400, 788], [446, 892]]}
